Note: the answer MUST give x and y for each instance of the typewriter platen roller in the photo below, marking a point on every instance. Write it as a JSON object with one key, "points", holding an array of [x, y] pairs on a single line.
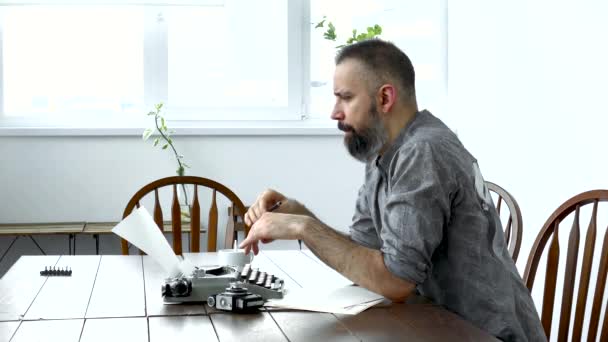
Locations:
{"points": [[208, 281]]}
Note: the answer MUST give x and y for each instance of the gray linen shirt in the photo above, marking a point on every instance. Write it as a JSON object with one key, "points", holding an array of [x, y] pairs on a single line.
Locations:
{"points": [[425, 206]]}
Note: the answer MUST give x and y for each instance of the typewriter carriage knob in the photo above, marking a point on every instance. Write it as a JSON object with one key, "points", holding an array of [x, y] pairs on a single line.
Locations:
{"points": [[178, 287]]}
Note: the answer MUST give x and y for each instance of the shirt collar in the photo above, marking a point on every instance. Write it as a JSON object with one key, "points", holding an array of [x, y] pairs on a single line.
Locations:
{"points": [[383, 161]]}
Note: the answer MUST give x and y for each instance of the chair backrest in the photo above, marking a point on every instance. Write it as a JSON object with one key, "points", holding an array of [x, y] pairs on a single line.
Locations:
{"points": [[514, 226], [550, 229], [235, 220], [195, 217]]}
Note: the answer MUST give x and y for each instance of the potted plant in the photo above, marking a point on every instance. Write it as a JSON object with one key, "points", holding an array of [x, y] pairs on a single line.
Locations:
{"points": [[164, 140]]}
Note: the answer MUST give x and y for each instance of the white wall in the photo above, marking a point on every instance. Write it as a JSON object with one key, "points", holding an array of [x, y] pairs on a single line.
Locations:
{"points": [[528, 84], [55, 179]]}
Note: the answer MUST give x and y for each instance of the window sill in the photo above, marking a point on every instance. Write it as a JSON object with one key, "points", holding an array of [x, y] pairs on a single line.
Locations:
{"points": [[195, 128]]}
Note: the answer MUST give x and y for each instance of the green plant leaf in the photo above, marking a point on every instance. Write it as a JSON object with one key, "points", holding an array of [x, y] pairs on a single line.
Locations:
{"points": [[330, 34], [147, 133], [169, 140], [159, 106], [156, 141], [180, 171], [165, 146], [151, 113], [320, 23]]}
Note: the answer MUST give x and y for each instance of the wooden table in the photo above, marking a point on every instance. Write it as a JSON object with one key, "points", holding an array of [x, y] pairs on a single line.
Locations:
{"points": [[117, 298]]}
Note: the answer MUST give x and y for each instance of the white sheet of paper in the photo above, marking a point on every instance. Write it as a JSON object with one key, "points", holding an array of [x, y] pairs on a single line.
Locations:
{"points": [[140, 230], [344, 300]]}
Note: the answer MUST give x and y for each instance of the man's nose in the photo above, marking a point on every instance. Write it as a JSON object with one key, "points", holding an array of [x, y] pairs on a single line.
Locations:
{"points": [[337, 114]]}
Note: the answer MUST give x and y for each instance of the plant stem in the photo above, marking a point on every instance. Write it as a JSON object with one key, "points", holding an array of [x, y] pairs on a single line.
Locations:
{"points": [[174, 152]]}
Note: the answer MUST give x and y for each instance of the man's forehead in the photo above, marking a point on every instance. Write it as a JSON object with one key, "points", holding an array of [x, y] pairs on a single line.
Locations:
{"points": [[349, 74], [350, 66]]}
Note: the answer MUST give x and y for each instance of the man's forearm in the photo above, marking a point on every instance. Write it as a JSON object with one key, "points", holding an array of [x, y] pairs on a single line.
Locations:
{"points": [[364, 266], [298, 208]]}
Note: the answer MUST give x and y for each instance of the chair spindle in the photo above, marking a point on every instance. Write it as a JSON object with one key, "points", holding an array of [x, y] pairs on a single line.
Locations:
{"points": [[569, 278], [176, 222], [498, 205], [508, 230], [158, 212], [195, 223], [583, 285], [212, 230], [598, 296], [550, 280]]}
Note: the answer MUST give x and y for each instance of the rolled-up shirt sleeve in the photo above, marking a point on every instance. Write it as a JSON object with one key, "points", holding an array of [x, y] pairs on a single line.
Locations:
{"points": [[417, 211], [362, 230]]}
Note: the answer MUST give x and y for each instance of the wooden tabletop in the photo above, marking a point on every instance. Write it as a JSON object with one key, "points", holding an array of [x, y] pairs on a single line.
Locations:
{"points": [[117, 298]]}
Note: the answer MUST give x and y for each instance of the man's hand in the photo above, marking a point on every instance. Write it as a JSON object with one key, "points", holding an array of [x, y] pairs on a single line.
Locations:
{"points": [[267, 200], [271, 226]]}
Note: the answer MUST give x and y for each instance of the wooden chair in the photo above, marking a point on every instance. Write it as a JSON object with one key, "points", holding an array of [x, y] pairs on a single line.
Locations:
{"points": [[514, 226], [176, 220], [550, 229]]}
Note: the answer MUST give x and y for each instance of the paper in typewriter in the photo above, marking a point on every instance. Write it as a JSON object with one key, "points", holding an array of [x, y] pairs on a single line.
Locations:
{"points": [[350, 299], [140, 230]]}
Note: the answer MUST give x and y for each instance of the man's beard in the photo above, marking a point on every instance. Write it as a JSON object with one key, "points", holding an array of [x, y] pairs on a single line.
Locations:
{"points": [[366, 143]]}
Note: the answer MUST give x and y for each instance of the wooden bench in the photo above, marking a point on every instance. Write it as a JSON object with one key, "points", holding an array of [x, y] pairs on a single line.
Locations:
{"points": [[32, 229], [70, 228]]}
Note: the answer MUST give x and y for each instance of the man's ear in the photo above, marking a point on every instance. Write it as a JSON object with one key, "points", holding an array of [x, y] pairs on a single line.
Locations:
{"points": [[387, 97]]}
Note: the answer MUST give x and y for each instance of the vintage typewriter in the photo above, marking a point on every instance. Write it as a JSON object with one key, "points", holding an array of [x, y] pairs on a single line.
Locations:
{"points": [[207, 281]]}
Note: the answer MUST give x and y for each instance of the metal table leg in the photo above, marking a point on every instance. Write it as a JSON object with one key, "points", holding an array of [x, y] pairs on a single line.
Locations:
{"points": [[9, 248], [37, 245], [96, 237], [71, 244]]}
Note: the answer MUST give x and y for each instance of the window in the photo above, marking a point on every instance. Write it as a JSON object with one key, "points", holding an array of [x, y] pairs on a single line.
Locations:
{"points": [[229, 59], [60, 61], [105, 64]]}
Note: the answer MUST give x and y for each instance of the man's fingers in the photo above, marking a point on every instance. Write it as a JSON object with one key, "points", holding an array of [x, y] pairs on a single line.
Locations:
{"points": [[247, 242], [253, 214], [257, 212], [247, 219]]}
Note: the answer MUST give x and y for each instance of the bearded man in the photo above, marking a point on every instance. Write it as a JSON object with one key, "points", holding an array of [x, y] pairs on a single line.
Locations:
{"points": [[424, 222]]}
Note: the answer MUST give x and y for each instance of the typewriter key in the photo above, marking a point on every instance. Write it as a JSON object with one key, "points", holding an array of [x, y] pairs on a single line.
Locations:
{"points": [[261, 279], [246, 272], [268, 282], [254, 275]]}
